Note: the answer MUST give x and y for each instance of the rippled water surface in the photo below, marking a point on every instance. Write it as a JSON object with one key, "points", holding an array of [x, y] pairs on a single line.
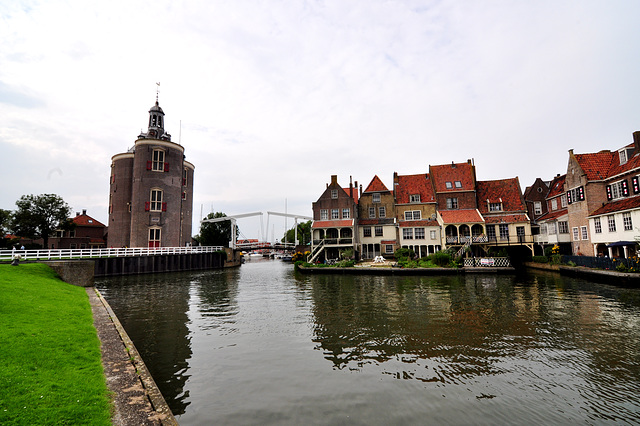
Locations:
{"points": [[261, 344]]}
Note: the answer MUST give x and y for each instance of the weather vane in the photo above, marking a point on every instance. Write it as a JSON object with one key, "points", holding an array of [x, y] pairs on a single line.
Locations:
{"points": [[157, 90]]}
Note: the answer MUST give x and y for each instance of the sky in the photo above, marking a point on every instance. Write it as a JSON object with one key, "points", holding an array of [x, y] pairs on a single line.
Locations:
{"points": [[271, 98]]}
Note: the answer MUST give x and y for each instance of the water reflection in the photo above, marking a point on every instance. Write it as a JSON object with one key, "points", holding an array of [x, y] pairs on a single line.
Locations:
{"points": [[261, 344]]}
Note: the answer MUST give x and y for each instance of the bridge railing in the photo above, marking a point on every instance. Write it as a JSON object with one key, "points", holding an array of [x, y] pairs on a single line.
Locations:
{"points": [[55, 254]]}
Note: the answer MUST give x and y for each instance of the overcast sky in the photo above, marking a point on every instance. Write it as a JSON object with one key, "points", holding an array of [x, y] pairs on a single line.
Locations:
{"points": [[276, 96]]}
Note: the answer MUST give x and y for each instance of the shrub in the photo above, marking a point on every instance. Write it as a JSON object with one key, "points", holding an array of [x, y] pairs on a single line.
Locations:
{"points": [[404, 253], [441, 258], [621, 267], [540, 259], [346, 263]]}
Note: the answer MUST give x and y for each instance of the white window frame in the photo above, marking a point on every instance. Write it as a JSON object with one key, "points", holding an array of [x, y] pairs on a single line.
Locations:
{"points": [[611, 221], [418, 233], [584, 233], [157, 160], [155, 234], [375, 197], [378, 231], [551, 228], [382, 211], [432, 234], [414, 198], [563, 200], [576, 233], [346, 213], [597, 225], [324, 214], [335, 214], [452, 203], [366, 231], [554, 204], [537, 207], [155, 200], [503, 230], [457, 184], [563, 227], [616, 190], [372, 212], [627, 222], [334, 193], [448, 185], [407, 233], [495, 207], [388, 248]]}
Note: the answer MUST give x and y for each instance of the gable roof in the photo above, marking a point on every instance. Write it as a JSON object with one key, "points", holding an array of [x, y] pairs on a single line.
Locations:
{"points": [[408, 185], [596, 165], [618, 206], [557, 186], [86, 220], [376, 185], [505, 191], [454, 172]]}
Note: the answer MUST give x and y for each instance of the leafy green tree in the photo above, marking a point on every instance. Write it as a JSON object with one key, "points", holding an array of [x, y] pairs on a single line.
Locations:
{"points": [[38, 216], [304, 233], [216, 233], [5, 225]]}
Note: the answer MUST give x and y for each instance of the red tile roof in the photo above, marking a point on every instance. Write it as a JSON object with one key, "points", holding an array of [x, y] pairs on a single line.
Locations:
{"points": [[557, 186], [617, 206], [412, 223], [507, 218], [414, 185], [355, 194], [344, 223], [617, 168], [552, 215], [461, 172], [506, 191], [461, 216], [376, 185], [597, 165], [86, 220], [379, 221]]}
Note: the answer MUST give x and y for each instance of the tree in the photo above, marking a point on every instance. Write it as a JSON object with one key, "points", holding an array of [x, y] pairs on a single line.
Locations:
{"points": [[304, 233], [216, 233], [38, 216], [5, 225]]}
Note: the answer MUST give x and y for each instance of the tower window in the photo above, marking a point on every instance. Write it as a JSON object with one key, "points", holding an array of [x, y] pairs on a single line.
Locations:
{"points": [[154, 237], [158, 160], [156, 200]]}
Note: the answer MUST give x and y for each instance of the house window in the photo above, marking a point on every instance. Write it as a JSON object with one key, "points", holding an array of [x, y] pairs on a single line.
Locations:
{"points": [[184, 177], [448, 185], [612, 223], [59, 234], [157, 164], [576, 235], [552, 228], [324, 214], [418, 233], [335, 214], [616, 190], [407, 233], [415, 198], [156, 200], [597, 225], [184, 195], [346, 213], [372, 212], [537, 208], [495, 207], [554, 204], [432, 235], [543, 229], [366, 231], [375, 198], [563, 200], [452, 203], [504, 231], [458, 184], [382, 211], [334, 193], [491, 232], [378, 230], [154, 237], [576, 194], [583, 231], [626, 220], [563, 227], [388, 249], [623, 156], [412, 215]]}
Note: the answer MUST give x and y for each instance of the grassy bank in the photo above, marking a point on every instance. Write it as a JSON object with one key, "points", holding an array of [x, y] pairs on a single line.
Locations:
{"points": [[50, 366]]}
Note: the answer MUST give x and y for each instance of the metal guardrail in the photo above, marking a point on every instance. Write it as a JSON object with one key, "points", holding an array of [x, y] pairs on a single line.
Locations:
{"points": [[55, 254]]}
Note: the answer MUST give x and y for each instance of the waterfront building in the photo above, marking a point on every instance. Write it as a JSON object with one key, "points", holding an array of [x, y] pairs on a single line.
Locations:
{"points": [[415, 212], [151, 191], [86, 233], [334, 226], [535, 201], [376, 220], [554, 224]]}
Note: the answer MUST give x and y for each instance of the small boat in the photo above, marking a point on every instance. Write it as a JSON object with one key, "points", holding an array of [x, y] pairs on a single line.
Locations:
{"points": [[287, 258]]}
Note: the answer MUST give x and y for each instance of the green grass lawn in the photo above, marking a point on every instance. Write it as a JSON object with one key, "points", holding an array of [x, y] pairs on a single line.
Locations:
{"points": [[50, 367]]}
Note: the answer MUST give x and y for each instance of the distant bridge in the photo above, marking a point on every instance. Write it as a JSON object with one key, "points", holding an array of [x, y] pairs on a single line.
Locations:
{"points": [[256, 244]]}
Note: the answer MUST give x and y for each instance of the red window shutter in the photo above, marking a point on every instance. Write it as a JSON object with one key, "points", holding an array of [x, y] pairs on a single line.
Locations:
{"points": [[609, 194], [184, 181], [164, 207], [147, 206], [166, 167], [149, 165]]}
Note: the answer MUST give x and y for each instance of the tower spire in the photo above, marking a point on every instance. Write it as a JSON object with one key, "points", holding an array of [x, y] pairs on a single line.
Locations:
{"points": [[157, 91]]}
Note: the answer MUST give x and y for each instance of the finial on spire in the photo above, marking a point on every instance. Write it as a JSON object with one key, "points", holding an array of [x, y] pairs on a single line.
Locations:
{"points": [[157, 91]]}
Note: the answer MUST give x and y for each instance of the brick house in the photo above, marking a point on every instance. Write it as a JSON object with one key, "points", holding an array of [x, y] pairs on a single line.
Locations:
{"points": [[334, 226], [415, 211], [535, 200], [87, 233], [151, 191], [554, 224], [376, 220]]}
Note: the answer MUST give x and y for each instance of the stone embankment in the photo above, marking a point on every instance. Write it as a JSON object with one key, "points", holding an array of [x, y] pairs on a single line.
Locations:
{"points": [[608, 277]]}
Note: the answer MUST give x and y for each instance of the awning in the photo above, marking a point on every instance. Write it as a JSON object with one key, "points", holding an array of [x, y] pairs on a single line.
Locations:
{"points": [[622, 243]]}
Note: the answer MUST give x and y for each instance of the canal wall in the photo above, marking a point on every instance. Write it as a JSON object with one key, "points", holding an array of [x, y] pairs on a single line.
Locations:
{"points": [[405, 271], [603, 276]]}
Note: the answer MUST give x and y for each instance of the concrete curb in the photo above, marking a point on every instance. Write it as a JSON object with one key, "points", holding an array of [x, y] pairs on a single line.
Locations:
{"points": [[137, 399]]}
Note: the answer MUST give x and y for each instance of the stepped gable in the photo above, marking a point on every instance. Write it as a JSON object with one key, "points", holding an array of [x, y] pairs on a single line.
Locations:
{"points": [[597, 166], [452, 173], [505, 191], [414, 184], [376, 185]]}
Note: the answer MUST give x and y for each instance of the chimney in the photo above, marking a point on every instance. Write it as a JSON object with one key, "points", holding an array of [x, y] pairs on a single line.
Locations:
{"points": [[636, 142], [360, 191], [351, 186], [334, 179], [84, 212], [77, 214]]}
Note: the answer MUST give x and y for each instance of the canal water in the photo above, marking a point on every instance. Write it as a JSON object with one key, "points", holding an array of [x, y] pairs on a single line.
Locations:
{"points": [[262, 344]]}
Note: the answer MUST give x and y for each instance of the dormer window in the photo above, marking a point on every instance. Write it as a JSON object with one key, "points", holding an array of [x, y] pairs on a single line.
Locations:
{"points": [[495, 207], [448, 185], [415, 198]]}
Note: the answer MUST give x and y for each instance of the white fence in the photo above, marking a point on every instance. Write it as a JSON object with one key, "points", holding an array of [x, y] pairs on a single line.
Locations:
{"points": [[487, 262], [55, 254]]}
